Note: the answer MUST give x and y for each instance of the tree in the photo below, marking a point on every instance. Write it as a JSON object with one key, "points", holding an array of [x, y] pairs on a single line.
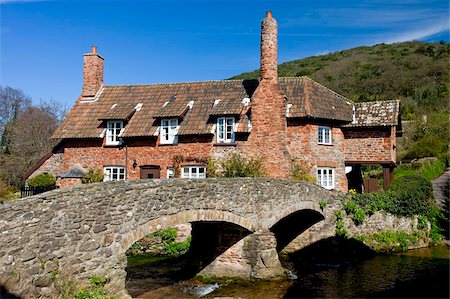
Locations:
{"points": [[26, 133]]}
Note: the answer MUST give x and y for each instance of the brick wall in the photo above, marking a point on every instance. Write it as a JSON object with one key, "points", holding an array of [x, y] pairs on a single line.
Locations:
{"points": [[91, 153], [370, 144], [92, 73], [268, 139], [304, 146]]}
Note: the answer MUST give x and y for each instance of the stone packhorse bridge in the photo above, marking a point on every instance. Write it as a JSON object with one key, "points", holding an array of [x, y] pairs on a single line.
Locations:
{"points": [[238, 228]]}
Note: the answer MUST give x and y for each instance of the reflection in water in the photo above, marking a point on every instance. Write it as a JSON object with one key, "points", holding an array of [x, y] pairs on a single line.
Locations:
{"points": [[333, 271]]}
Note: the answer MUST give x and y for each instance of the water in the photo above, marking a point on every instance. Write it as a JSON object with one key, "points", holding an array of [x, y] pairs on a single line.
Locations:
{"points": [[422, 273]]}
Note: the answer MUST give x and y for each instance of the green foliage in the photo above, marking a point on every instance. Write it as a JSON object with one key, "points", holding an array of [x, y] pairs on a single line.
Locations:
{"points": [[322, 204], [167, 235], [42, 180], [96, 289], [340, 229], [67, 288], [212, 169], [237, 166], [94, 175], [413, 196], [359, 216], [175, 248], [171, 248], [390, 241], [299, 172]]}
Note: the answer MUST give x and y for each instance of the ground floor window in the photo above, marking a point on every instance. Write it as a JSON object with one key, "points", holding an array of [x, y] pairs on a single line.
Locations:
{"points": [[114, 173], [170, 173], [325, 177], [193, 172]]}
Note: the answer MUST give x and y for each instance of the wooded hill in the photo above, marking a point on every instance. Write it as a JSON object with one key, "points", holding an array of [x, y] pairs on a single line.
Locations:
{"points": [[417, 73]]}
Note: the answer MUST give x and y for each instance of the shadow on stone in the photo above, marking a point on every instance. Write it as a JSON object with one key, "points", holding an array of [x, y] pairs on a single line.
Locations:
{"points": [[291, 226], [5, 294]]}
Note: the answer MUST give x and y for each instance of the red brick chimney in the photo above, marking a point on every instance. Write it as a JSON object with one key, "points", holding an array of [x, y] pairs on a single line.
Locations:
{"points": [[92, 73], [268, 137], [269, 47]]}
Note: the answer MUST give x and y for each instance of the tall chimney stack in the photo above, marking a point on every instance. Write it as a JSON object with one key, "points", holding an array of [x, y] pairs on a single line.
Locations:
{"points": [[269, 46], [92, 73]]}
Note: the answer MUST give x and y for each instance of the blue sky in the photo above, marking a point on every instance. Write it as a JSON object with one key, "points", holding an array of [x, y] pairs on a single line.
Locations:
{"points": [[42, 42]]}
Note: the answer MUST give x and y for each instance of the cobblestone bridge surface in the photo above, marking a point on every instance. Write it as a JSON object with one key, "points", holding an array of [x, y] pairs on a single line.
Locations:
{"points": [[85, 230]]}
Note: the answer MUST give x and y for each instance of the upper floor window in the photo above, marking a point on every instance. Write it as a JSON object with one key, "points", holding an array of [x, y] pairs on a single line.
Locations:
{"points": [[324, 136], [114, 173], [113, 130], [169, 131], [225, 130], [325, 177], [193, 172]]}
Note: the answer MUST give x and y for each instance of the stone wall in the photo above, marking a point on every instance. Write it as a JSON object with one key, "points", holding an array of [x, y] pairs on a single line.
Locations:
{"points": [[377, 222], [85, 230]]}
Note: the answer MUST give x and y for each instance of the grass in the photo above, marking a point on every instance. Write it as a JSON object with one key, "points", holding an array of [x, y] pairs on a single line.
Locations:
{"points": [[143, 259], [428, 170]]}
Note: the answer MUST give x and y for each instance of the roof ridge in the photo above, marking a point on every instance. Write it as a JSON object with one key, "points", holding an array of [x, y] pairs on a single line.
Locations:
{"points": [[171, 83], [332, 91]]}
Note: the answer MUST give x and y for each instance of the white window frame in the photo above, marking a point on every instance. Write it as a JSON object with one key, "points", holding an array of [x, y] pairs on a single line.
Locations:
{"points": [[170, 173], [225, 129], [169, 131], [113, 131], [114, 173], [193, 172], [324, 135], [325, 177]]}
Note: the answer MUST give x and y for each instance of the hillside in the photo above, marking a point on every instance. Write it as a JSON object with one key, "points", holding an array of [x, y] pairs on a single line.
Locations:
{"points": [[415, 72]]}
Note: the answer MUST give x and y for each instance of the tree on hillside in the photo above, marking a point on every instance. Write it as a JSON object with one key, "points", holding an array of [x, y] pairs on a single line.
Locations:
{"points": [[26, 134]]}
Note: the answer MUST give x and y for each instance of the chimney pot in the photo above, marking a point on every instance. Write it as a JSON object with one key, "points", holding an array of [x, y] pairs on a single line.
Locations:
{"points": [[269, 15], [94, 49]]}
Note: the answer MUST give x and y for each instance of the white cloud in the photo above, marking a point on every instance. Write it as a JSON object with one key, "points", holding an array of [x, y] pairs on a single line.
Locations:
{"points": [[421, 33]]}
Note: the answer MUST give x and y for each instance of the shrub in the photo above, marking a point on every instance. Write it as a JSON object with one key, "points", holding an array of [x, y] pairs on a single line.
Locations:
{"points": [[237, 166], [413, 196], [94, 175], [299, 172], [42, 180]]}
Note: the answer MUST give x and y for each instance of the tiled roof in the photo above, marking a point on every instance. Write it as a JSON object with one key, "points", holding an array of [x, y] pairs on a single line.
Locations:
{"points": [[175, 107], [118, 111], [313, 100], [305, 98], [228, 107], [379, 113]]}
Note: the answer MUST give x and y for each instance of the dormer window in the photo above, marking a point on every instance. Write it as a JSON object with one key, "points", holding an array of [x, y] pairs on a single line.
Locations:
{"points": [[113, 130], [324, 135], [169, 131], [225, 130]]}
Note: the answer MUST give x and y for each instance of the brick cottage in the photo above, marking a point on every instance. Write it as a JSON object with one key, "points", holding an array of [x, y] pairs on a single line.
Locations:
{"points": [[171, 130]]}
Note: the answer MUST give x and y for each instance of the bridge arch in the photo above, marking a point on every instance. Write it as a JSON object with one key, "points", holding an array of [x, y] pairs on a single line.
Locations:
{"points": [[181, 218]]}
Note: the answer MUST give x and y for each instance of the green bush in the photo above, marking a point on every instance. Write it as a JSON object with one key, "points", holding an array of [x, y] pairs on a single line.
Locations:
{"points": [[299, 172], [96, 289], [413, 196], [237, 166], [42, 180], [94, 175]]}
